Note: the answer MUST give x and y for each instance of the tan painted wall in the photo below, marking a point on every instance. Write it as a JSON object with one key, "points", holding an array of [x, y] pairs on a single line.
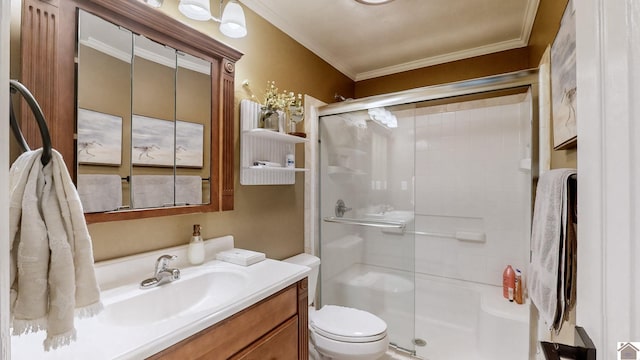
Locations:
{"points": [[544, 30], [492, 64], [270, 218], [266, 218]]}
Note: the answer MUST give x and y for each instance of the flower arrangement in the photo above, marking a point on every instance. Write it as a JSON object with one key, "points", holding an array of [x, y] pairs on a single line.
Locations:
{"points": [[285, 101], [274, 100]]}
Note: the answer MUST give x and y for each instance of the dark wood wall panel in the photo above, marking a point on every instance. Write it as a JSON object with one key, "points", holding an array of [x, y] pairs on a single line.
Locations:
{"points": [[228, 135], [39, 38], [303, 319]]}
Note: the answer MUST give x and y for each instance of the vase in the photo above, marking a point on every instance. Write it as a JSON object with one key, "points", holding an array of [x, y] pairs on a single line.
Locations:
{"points": [[294, 115], [269, 119]]}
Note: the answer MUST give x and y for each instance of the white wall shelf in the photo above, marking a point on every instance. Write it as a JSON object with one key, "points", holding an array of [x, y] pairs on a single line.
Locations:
{"points": [[270, 168], [257, 144], [275, 135]]}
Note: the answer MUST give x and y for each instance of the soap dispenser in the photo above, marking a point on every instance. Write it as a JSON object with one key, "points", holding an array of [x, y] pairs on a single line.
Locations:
{"points": [[195, 252]]}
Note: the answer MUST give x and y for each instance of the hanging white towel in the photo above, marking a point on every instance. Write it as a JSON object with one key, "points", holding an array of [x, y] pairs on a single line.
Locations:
{"points": [[151, 191], [552, 241], [188, 190], [158, 190], [51, 271]]}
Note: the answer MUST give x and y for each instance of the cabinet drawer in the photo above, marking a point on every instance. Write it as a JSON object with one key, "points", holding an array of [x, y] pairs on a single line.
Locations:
{"points": [[231, 335], [280, 344]]}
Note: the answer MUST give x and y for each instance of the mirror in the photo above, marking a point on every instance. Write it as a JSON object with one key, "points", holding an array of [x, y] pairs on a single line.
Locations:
{"points": [[193, 114], [144, 109]]}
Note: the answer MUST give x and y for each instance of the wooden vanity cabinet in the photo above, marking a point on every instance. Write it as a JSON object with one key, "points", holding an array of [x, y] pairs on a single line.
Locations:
{"points": [[274, 328]]}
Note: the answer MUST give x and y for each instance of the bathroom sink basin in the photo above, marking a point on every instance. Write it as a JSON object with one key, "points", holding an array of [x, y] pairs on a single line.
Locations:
{"points": [[195, 291]]}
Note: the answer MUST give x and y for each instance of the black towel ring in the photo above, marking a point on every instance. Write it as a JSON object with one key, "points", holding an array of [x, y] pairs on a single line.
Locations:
{"points": [[16, 86]]}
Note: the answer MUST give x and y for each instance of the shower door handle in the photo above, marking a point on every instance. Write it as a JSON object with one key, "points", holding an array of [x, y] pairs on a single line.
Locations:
{"points": [[367, 222]]}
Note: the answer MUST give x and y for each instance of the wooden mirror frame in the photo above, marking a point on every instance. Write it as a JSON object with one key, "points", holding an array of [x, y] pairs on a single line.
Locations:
{"points": [[48, 50]]}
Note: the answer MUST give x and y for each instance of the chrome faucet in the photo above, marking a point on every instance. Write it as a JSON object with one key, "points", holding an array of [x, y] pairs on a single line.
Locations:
{"points": [[162, 273]]}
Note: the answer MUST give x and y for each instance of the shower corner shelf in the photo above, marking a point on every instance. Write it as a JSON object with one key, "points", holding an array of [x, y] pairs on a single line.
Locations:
{"points": [[258, 144]]}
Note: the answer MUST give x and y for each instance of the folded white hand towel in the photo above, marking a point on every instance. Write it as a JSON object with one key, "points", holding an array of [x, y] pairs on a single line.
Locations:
{"points": [[100, 192], [52, 274]]}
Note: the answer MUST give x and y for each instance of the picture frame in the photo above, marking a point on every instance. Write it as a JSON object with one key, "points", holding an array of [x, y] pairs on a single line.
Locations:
{"points": [[99, 138], [189, 144], [563, 82], [152, 141]]}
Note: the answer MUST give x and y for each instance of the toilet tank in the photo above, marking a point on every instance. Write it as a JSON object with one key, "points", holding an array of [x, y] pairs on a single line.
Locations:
{"points": [[312, 262]]}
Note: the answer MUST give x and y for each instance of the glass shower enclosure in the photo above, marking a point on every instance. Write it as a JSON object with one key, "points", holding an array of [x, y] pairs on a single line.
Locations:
{"points": [[367, 232], [425, 197]]}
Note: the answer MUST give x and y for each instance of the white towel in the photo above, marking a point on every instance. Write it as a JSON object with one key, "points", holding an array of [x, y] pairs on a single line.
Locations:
{"points": [[151, 191], [51, 271], [547, 271], [158, 190], [100, 193], [188, 190]]}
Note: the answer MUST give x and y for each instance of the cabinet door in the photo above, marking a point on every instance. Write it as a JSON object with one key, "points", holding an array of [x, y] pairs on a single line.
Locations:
{"points": [[280, 344], [223, 340]]}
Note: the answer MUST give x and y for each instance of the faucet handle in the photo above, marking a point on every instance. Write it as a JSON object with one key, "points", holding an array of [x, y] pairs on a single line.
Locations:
{"points": [[341, 208], [161, 263], [175, 274]]}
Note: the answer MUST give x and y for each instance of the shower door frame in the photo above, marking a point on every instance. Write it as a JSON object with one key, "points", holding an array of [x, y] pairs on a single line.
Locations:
{"points": [[530, 78]]}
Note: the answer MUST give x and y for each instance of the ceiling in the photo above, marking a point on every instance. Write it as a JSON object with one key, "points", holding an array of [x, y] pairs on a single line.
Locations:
{"points": [[368, 41]]}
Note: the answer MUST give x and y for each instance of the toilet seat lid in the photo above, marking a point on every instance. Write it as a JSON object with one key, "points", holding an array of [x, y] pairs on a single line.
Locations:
{"points": [[347, 324]]}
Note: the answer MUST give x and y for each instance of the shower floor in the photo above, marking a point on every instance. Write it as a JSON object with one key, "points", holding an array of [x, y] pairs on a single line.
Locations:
{"points": [[445, 342], [447, 314]]}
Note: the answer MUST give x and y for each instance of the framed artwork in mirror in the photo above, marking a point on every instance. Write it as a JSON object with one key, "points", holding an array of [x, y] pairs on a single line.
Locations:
{"points": [[189, 144], [563, 82], [99, 138], [152, 141]]}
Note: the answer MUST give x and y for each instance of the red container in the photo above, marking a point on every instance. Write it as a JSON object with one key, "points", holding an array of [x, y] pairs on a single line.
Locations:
{"points": [[508, 283]]}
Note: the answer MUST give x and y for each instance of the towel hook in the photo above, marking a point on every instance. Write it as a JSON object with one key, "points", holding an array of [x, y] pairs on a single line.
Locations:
{"points": [[16, 86]]}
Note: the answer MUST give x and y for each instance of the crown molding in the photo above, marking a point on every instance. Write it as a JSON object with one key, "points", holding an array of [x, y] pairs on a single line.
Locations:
{"points": [[441, 59], [106, 49], [145, 54], [263, 10]]}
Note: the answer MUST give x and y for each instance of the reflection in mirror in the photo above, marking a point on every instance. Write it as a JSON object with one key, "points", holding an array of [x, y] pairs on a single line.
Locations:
{"points": [[153, 124], [144, 121], [104, 110], [193, 111]]}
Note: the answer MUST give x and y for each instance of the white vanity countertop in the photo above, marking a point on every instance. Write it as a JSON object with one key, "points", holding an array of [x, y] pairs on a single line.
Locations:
{"points": [[113, 335]]}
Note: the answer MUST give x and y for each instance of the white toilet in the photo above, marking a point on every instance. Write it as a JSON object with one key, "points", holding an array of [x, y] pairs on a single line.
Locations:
{"points": [[338, 332]]}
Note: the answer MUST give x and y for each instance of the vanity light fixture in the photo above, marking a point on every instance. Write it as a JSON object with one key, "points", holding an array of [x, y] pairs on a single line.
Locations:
{"points": [[374, 2], [232, 22]]}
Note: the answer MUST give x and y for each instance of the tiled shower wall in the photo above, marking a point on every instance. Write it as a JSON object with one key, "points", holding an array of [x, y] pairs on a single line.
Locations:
{"points": [[472, 174]]}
